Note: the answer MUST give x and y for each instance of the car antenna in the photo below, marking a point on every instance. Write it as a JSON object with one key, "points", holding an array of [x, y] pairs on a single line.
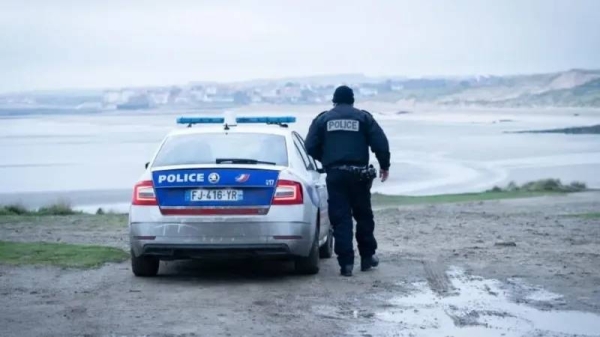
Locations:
{"points": [[229, 119]]}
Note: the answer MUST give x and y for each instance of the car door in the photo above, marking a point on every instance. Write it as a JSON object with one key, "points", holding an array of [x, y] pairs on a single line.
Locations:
{"points": [[318, 181]]}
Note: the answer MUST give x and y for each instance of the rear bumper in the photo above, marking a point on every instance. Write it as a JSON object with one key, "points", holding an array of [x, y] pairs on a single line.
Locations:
{"points": [[194, 251], [221, 239]]}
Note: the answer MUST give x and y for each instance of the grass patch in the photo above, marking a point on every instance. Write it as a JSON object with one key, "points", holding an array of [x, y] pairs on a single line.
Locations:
{"points": [[82, 221], [592, 215], [59, 208], [511, 191], [380, 199], [59, 254], [13, 210], [543, 185], [102, 211]]}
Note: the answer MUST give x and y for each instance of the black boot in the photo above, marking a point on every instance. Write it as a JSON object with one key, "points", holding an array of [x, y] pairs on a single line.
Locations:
{"points": [[346, 270], [367, 263]]}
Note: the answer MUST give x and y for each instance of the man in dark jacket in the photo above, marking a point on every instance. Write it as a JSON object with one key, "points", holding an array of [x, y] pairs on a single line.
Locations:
{"points": [[340, 139]]}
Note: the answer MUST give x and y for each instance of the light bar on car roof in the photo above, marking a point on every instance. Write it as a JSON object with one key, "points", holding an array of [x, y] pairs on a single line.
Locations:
{"points": [[267, 120], [200, 120]]}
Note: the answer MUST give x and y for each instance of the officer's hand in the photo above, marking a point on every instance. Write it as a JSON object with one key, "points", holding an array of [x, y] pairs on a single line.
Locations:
{"points": [[383, 174]]}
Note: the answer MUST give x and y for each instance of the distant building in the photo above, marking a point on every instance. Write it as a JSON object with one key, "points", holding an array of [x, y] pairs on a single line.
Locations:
{"points": [[112, 97], [397, 87], [173, 94], [222, 99], [159, 97], [367, 91], [291, 93], [136, 102], [211, 91]]}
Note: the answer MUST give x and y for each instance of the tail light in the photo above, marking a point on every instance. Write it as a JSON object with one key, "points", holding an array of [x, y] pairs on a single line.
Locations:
{"points": [[143, 194], [288, 193]]}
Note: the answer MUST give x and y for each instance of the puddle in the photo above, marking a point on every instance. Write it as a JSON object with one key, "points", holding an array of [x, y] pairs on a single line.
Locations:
{"points": [[331, 312], [476, 307]]}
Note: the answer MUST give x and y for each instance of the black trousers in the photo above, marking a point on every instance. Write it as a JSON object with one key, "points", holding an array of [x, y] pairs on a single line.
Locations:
{"points": [[350, 198]]}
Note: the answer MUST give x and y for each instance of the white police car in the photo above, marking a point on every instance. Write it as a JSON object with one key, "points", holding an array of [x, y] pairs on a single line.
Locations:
{"points": [[242, 187]]}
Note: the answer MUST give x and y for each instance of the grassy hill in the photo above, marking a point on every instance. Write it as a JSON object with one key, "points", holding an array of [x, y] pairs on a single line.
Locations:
{"points": [[585, 95], [574, 88]]}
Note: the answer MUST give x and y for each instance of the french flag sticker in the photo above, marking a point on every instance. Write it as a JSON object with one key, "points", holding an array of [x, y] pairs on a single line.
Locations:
{"points": [[242, 178]]}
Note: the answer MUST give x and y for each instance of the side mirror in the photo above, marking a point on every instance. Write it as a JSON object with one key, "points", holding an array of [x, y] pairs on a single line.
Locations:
{"points": [[146, 166]]}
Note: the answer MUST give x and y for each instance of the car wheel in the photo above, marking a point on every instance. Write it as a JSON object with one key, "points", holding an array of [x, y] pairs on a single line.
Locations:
{"points": [[144, 266], [326, 251], [309, 265]]}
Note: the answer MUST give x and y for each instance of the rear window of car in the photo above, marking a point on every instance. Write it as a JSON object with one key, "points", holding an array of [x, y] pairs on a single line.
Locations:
{"points": [[207, 148]]}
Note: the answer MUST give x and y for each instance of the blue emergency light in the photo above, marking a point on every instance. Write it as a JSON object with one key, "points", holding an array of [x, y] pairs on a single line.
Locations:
{"points": [[267, 120], [281, 120], [200, 120]]}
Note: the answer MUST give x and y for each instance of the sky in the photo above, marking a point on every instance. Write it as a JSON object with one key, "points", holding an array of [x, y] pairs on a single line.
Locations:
{"points": [[60, 44]]}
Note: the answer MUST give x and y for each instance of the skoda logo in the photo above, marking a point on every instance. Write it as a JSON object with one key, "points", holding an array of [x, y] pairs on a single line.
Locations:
{"points": [[213, 178]]}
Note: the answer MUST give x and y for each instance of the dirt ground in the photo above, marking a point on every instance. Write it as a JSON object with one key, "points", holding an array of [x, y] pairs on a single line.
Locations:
{"points": [[499, 268]]}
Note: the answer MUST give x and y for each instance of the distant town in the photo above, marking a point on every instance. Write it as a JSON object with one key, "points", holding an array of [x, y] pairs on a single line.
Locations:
{"points": [[572, 88], [288, 93]]}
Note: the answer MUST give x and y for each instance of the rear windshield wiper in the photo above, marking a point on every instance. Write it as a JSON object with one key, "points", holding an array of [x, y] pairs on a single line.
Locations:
{"points": [[242, 161]]}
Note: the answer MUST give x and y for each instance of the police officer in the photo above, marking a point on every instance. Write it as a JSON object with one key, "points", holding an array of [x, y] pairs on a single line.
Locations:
{"points": [[340, 139]]}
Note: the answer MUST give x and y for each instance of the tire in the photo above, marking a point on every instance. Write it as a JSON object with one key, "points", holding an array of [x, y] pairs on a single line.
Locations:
{"points": [[326, 251], [309, 265], [144, 266]]}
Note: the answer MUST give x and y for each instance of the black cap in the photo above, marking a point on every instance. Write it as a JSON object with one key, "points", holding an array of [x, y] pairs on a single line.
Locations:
{"points": [[343, 95]]}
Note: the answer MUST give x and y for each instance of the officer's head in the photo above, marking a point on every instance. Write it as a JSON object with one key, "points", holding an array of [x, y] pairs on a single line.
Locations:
{"points": [[343, 95]]}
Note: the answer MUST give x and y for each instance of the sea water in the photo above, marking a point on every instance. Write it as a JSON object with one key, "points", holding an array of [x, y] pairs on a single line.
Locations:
{"points": [[94, 159]]}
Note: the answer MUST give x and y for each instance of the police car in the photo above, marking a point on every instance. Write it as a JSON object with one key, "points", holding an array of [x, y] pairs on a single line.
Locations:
{"points": [[230, 187]]}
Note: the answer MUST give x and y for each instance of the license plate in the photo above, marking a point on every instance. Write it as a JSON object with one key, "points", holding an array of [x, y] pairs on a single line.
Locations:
{"points": [[216, 195]]}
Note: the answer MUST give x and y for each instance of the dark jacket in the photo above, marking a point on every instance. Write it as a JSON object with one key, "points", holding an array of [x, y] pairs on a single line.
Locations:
{"points": [[343, 135]]}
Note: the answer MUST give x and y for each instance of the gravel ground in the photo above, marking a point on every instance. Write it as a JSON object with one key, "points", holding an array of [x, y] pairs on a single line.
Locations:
{"points": [[498, 268]]}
